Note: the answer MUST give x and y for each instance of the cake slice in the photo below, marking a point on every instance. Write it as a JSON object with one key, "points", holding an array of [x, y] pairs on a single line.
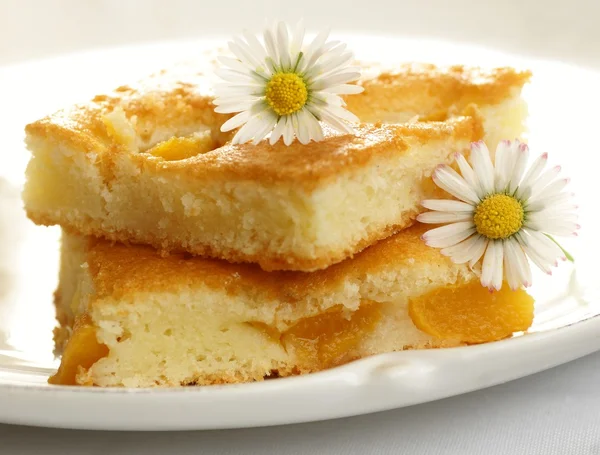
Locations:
{"points": [[148, 164], [427, 92], [142, 320]]}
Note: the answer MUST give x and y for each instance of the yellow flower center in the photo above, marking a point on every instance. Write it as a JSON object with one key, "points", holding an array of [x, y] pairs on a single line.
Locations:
{"points": [[286, 93], [498, 216]]}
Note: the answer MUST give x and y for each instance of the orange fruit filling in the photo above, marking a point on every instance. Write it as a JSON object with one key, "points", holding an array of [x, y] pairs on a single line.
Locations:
{"points": [[180, 148], [330, 338], [82, 351], [471, 313], [468, 313]]}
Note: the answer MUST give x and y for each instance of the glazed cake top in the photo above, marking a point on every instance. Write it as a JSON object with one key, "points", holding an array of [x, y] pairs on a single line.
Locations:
{"points": [[178, 103]]}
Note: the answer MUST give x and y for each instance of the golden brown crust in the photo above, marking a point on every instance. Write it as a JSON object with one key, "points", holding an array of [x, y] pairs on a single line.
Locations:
{"points": [[308, 165], [180, 100], [117, 269], [438, 91], [267, 262], [169, 100]]}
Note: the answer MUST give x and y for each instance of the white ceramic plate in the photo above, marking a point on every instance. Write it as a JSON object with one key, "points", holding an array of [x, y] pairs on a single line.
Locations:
{"points": [[563, 122]]}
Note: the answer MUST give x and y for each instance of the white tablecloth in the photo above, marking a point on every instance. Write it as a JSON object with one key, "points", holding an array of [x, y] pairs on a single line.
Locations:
{"points": [[555, 412]]}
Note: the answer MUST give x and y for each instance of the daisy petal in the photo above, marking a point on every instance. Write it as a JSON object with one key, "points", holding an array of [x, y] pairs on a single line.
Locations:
{"points": [[520, 163], [315, 130], [531, 176], [443, 217], [544, 179], [489, 262], [268, 123], [232, 63], [447, 205], [333, 121], [462, 252], [277, 131], [283, 46], [503, 164], [270, 44], [536, 204], [482, 165], [448, 235], [498, 275], [518, 272], [297, 39], [543, 246], [478, 249], [236, 121], [288, 132], [448, 179], [468, 174], [344, 89]]}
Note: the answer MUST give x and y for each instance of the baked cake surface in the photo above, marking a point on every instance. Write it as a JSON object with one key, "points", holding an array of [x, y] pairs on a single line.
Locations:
{"points": [[148, 164], [144, 320]]}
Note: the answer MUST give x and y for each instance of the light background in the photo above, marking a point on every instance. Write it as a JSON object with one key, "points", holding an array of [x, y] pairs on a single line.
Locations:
{"points": [[556, 412], [566, 29]]}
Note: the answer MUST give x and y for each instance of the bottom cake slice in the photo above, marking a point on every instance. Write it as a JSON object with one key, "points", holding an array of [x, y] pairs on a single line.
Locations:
{"points": [[130, 317]]}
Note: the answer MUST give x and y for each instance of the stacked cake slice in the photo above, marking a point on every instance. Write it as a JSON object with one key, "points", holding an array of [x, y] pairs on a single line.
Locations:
{"points": [[189, 260]]}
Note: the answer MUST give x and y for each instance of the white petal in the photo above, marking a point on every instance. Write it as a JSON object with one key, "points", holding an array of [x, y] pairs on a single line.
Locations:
{"points": [[277, 131], [228, 90], [242, 51], [342, 114], [233, 63], [242, 105], [288, 132], [489, 262], [236, 121], [520, 164], [283, 46], [443, 217], [543, 246], [340, 78], [314, 51], [544, 179], [463, 252], [297, 39], [478, 249], [554, 227], [541, 203], [447, 205], [492, 271], [498, 266], [503, 164], [531, 176], [302, 127], [256, 48], [269, 122], [448, 235], [469, 175], [541, 263], [555, 187], [256, 128], [315, 130], [517, 263], [332, 120], [447, 179], [512, 277], [329, 64], [344, 89], [482, 165], [271, 46]]}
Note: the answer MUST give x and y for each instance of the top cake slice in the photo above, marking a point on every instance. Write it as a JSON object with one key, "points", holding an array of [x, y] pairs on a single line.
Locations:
{"points": [[148, 164]]}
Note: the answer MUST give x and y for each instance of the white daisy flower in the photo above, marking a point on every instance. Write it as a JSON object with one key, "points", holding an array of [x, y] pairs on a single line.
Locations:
{"points": [[285, 88], [503, 214]]}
